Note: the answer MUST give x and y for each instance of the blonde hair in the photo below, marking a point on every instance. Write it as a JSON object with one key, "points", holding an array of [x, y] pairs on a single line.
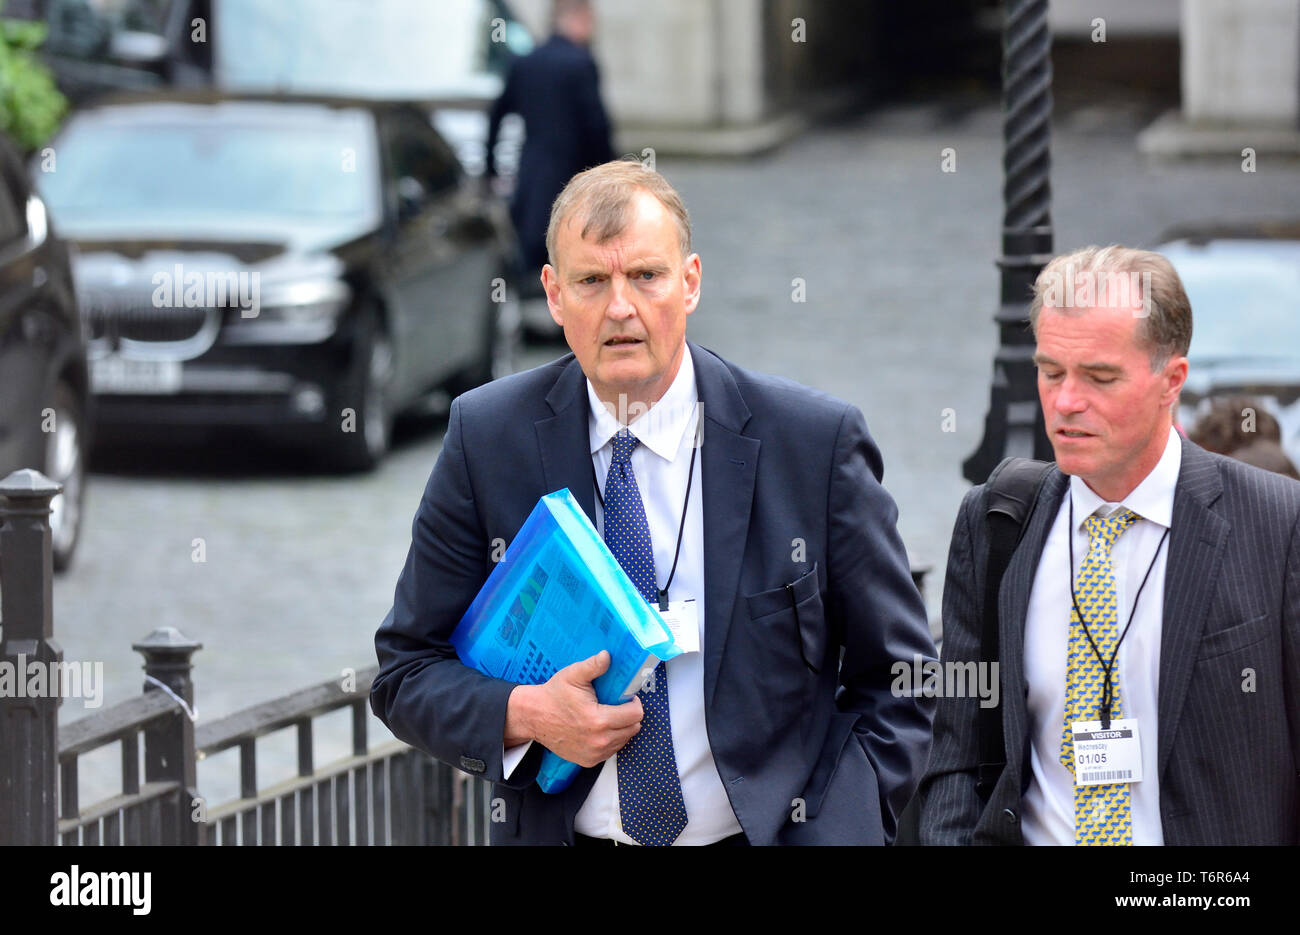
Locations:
{"points": [[604, 197]]}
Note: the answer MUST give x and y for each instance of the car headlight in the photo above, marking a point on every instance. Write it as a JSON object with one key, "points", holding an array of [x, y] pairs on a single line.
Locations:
{"points": [[310, 302]]}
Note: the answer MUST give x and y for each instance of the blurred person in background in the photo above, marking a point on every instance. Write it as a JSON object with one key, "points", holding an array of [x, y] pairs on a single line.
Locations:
{"points": [[1237, 426], [1234, 422], [556, 90]]}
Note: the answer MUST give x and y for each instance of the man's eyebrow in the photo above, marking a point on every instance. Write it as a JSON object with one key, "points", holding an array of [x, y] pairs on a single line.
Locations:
{"points": [[648, 263], [653, 263], [1096, 367]]}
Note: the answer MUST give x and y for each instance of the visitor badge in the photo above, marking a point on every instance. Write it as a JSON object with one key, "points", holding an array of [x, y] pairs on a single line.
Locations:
{"points": [[1107, 757], [684, 622]]}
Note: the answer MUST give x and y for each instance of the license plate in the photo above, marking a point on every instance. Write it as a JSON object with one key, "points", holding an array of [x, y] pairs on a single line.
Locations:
{"points": [[120, 375]]}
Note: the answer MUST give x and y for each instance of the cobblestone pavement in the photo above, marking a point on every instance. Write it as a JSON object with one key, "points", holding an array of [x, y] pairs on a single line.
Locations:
{"points": [[896, 260]]}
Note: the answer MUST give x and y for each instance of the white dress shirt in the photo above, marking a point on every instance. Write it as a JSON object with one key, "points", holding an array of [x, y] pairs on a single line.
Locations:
{"points": [[1048, 804], [661, 463]]}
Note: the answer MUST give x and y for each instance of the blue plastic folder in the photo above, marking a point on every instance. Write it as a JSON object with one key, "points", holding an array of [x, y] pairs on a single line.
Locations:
{"points": [[557, 597]]}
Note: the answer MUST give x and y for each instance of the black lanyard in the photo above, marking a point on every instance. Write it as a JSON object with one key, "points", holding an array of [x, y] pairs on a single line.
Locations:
{"points": [[1106, 689], [690, 476]]}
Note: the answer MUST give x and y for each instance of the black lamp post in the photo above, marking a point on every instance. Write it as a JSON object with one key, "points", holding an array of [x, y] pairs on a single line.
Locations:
{"points": [[1014, 424]]}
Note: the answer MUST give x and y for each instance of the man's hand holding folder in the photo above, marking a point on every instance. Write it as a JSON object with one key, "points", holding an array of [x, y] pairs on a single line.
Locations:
{"points": [[563, 715], [559, 617]]}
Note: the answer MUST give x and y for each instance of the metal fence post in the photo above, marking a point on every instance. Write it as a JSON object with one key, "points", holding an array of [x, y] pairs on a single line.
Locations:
{"points": [[29, 720], [169, 753]]}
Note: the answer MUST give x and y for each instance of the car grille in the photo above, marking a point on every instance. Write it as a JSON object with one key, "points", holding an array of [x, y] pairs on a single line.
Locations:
{"points": [[111, 320]]}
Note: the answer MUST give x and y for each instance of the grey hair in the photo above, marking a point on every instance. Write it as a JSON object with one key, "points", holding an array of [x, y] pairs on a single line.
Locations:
{"points": [[1166, 328]]}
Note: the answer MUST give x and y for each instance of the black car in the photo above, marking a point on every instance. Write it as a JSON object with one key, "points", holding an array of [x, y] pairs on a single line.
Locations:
{"points": [[450, 55], [305, 266], [43, 381]]}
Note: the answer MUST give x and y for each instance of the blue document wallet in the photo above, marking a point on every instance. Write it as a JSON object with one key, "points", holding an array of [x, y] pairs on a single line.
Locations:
{"points": [[559, 596]]}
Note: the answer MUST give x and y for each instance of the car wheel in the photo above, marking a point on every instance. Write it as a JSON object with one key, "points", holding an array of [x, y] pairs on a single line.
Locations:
{"points": [[365, 438], [65, 463]]}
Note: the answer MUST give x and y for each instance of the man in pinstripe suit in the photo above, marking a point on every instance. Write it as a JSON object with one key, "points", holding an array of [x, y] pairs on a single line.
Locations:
{"points": [[1198, 625]]}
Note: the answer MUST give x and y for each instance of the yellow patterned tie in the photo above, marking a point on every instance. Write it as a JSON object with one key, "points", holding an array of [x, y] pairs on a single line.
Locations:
{"points": [[1102, 814]]}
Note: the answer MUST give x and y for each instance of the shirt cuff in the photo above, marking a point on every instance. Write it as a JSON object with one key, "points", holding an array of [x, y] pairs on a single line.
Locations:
{"points": [[510, 759]]}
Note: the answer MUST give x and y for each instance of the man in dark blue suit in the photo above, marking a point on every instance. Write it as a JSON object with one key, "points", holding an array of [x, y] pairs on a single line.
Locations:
{"points": [[556, 90], [783, 728]]}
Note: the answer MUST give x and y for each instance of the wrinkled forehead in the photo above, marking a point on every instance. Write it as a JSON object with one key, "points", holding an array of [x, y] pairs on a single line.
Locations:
{"points": [[1112, 329], [1099, 319], [646, 231]]}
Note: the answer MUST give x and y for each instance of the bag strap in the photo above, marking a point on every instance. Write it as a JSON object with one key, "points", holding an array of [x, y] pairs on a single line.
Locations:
{"points": [[1010, 495]]}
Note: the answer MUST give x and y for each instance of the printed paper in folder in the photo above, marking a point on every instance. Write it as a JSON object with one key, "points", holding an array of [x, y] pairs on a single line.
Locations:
{"points": [[557, 597]]}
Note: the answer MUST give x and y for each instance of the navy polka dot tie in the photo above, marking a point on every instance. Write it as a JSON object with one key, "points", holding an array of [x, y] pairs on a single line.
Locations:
{"points": [[649, 788]]}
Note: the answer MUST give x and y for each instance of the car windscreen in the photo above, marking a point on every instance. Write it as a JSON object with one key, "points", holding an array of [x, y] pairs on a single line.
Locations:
{"points": [[1246, 309], [302, 173], [365, 48]]}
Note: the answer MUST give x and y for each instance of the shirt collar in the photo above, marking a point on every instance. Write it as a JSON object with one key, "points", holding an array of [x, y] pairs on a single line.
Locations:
{"points": [[1153, 499], [661, 428]]}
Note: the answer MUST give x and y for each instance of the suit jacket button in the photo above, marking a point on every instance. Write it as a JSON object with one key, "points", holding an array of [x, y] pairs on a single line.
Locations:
{"points": [[1009, 815], [472, 765]]}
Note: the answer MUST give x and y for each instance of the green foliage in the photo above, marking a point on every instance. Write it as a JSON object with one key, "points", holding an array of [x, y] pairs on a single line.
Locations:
{"points": [[30, 104]]}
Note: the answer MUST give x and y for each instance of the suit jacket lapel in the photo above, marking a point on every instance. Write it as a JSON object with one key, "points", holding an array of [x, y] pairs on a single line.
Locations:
{"points": [[1013, 608], [729, 466], [564, 440], [1197, 536]]}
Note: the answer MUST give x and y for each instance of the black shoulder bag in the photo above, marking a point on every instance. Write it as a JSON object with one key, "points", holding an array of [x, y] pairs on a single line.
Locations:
{"points": [[1012, 490]]}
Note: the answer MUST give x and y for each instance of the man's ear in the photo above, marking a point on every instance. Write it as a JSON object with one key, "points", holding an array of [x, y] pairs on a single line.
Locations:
{"points": [[691, 278], [551, 283], [1175, 376]]}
